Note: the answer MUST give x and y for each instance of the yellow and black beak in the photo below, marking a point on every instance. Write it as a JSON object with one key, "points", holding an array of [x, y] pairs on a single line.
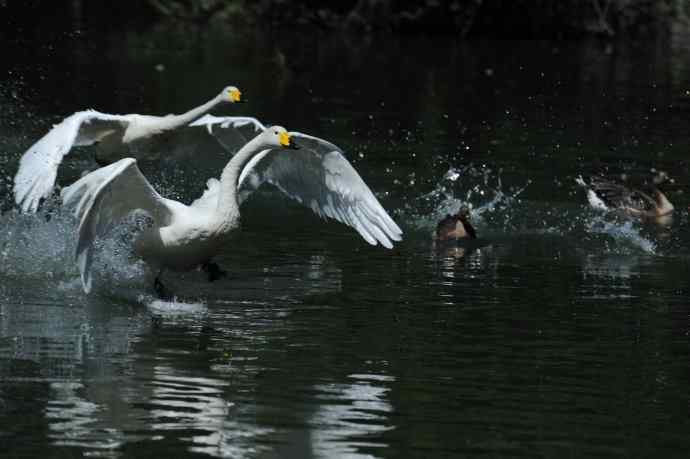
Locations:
{"points": [[235, 96], [287, 141]]}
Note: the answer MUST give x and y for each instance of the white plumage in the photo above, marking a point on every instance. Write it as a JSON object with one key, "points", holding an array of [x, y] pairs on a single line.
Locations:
{"points": [[183, 237], [317, 176], [117, 136]]}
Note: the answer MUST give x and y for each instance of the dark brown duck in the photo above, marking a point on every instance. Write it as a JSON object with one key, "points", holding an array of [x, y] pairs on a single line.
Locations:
{"points": [[455, 227]]}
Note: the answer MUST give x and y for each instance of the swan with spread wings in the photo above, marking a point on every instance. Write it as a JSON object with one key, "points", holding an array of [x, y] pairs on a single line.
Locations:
{"points": [[182, 237], [115, 136]]}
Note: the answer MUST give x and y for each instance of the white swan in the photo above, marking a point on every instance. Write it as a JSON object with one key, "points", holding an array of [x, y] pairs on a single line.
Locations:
{"points": [[38, 166], [183, 237]]}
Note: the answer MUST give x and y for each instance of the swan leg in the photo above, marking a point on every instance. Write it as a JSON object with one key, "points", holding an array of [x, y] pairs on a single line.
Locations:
{"points": [[162, 292], [156, 322], [213, 270]]}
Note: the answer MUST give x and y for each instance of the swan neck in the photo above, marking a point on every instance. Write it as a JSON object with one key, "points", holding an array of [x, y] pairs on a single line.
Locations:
{"points": [[194, 114], [229, 178]]}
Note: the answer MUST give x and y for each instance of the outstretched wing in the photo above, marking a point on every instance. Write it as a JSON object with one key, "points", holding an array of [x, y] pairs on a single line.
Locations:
{"points": [[103, 198], [232, 132], [38, 166], [606, 194], [319, 177]]}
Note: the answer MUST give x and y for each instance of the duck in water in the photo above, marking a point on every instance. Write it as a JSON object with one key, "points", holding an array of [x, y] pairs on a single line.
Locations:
{"points": [[455, 227], [651, 204]]}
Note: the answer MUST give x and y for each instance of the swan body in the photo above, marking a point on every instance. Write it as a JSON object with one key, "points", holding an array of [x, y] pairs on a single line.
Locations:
{"points": [[183, 237], [117, 136]]}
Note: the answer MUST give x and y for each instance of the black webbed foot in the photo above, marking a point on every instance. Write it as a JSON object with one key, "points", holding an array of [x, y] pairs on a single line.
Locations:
{"points": [[213, 270], [162, 292], [156, 322]]}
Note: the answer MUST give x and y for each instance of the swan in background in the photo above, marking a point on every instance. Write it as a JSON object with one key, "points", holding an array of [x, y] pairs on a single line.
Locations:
{"points": [[183, 237], [606, 194], [38, 166]]}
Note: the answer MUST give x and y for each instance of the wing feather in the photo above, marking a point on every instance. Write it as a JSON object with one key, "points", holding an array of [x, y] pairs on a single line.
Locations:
{"points": [[102, 199], [232, 132], [320, 177], [605, 194], [38, 166]]}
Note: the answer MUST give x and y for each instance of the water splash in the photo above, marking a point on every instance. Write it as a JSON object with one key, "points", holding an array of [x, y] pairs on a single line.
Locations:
{"points": [[624, 233], [174, 308], [501, 213], [40, 248], [479, 188], [41, 244]]}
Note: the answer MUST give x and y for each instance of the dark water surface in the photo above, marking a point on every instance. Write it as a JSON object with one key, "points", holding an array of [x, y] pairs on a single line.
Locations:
{"points": [[563, 334]]}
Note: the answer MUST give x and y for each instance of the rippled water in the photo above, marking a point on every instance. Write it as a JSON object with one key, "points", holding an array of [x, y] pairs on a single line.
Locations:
{"points": [[562, 332]]}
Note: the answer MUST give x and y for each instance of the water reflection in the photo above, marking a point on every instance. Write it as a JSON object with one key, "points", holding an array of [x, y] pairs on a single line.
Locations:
{"points": [[188, 403], [75, 421], [113, 377], [472, 259], [351, 418], [609, 276], [57, 342], [75, 351]]}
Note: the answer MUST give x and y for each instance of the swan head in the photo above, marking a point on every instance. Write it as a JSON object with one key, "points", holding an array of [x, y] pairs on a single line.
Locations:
{"points": [[231, 94], [278, 137]]}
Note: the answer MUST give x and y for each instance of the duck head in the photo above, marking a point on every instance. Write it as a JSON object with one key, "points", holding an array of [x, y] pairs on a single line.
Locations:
{"points": [[455, 227]]}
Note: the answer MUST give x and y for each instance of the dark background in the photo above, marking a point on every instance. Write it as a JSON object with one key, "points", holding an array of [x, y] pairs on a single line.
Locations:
{"points": [[546, 19]]}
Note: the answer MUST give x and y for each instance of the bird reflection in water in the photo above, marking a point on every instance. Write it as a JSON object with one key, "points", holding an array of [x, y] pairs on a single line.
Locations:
{"points": [[355, 415]]}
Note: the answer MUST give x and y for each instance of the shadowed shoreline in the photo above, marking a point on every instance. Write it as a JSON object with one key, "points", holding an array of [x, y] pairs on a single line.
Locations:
{"points": [[523, 19]]}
